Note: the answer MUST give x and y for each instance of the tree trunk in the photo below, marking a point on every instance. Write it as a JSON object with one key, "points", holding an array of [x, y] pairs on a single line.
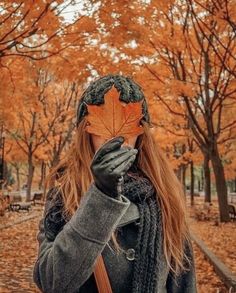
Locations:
{"points": [[42, 177], [184, 178], [30, 177], [231, 186], [178, 173], [192, 179], [17, 177], [207, 181], [221, 187], [202, 179], [55, 160], [198, 185], [181, 176]]}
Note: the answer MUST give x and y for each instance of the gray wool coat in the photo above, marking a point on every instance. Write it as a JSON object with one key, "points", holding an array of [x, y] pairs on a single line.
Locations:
{"points": [[66, 264]]}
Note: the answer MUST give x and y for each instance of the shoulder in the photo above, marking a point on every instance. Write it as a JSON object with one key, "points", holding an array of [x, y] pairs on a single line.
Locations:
{"points": [[53, 213], [53, 193]]}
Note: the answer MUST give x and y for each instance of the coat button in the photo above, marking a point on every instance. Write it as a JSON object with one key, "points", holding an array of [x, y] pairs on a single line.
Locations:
{"points": [[137, 222], [130, 254]]}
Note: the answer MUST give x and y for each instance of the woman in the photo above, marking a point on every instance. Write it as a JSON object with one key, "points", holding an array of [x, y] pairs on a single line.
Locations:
{"points": [[123, 202]]}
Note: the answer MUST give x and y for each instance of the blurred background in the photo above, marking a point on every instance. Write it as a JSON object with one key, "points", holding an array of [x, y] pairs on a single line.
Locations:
{"points": [[182, 53]]}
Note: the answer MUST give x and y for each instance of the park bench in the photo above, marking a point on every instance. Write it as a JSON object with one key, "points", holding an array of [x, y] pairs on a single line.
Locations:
{"points": [[232, 197], [17, 206], [16, 198], [37, 197], [232, 212]]}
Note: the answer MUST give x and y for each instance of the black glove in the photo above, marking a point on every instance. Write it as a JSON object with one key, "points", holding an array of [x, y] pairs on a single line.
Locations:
{"points": [[110, 163]]}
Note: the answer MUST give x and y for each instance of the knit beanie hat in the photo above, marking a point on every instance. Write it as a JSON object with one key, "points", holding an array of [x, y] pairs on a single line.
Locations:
{"points": [[129, 91]]}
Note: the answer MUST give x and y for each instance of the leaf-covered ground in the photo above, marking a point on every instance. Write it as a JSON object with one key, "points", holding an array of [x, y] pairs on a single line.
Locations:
{"points": [[18, 248], [18, 252], [207, 280], [219, 237]]}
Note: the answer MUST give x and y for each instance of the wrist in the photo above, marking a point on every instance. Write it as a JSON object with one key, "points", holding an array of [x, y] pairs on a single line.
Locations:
{"points": [[107, 192]]}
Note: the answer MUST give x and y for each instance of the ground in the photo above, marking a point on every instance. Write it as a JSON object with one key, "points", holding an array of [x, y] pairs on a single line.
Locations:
{"points": [[18, 249], [18, 253], [219, 237]]}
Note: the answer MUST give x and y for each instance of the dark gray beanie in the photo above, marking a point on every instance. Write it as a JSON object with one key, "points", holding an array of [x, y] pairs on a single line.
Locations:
{"points": [[129, 91]]}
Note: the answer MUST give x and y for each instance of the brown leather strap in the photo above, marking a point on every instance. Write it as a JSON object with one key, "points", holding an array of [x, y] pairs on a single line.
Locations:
{"points": [[101, 277]]}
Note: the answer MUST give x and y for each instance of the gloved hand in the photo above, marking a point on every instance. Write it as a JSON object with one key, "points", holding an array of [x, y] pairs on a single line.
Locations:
{"points": [[110, 163]]}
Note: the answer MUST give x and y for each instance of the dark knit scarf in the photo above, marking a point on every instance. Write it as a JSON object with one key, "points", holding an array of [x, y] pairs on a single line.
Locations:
{"points": [[139, 189]]}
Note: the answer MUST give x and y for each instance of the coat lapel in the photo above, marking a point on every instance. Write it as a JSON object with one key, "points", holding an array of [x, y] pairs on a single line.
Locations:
{"points": [[131, 215]]}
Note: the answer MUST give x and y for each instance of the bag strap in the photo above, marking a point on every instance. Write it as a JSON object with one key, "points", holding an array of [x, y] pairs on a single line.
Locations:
{"points": [[101, 277]]}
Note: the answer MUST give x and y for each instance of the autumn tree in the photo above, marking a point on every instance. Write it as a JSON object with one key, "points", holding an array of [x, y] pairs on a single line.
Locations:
{"points": [[203, 84], [188, 56], [38, 30], [37, 109], [66, 94], [16, 159]]}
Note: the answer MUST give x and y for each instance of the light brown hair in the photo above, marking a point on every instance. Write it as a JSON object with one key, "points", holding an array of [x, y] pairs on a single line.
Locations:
{"points": [[76, 177]]}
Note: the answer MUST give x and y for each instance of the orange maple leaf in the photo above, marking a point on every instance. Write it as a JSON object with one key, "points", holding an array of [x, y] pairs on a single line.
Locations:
{"points": [[114, 117]]}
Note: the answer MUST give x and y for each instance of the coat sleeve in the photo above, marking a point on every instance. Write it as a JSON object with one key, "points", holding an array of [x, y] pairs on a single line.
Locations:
{"points": [[185, 282], [65, 263]]}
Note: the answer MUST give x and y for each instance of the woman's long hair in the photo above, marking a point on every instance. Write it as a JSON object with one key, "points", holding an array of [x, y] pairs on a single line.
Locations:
{"points": [[74, 178]]}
